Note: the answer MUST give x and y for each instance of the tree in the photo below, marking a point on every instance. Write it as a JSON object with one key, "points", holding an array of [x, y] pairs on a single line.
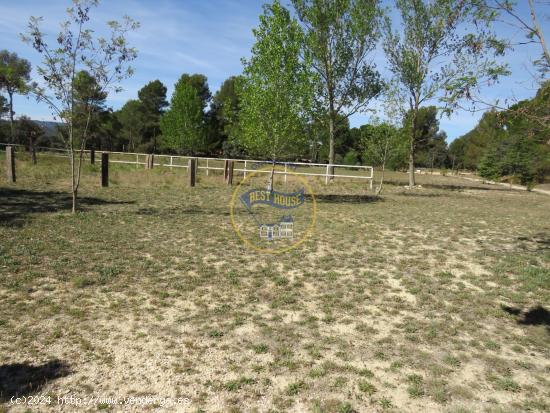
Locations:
{"points": [[183, 126], [427, 125], [530, 26], [3, 106], [29, 132], [89, 106], [512, 13], [153, 103], [341, 36], [14, 77], [104, 59], [131, 120], [277, 89], [490, 166], [437, 55], [381, 143], [223, 115]]}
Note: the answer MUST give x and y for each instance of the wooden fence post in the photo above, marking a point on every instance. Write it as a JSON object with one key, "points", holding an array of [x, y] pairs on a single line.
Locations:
{"points": [[10, 163], [150, 161], [192, 168], [92, 156], [225, 169], [230, 173], [104, 169]]}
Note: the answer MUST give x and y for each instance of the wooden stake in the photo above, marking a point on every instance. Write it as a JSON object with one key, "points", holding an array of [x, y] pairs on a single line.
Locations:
{"points": [[230, 173], [92, 156], [104, 169], [192, 171], [10, 163]]}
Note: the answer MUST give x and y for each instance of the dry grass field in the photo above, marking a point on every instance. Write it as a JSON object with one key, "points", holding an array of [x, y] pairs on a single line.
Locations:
{"points": [[428, 300]]}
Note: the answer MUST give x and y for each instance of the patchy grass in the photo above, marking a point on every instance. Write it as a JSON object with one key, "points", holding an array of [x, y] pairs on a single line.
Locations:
{"points": [[435, 299]]}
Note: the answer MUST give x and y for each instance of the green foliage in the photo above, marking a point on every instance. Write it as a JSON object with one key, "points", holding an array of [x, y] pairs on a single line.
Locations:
{"points": [[490, 166], [3, 106], [340, 36], [28, 130], [470, 148], [223, 116], [14, 73], [511, 143], [382, 143], [14, 79], [182, 126], [351, 158], [276, 90], [131, 119], [152, 97], [428, 31]]}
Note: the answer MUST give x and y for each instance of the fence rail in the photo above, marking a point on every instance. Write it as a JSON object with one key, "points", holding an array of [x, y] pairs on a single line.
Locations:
{"points": [[245, 166]]}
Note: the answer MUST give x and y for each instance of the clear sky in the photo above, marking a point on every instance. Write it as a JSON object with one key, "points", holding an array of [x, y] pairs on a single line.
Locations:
{"points": [[209, 37]]}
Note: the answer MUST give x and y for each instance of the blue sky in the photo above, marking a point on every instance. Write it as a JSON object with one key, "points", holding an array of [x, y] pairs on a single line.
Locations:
{"points": [[209, 37]]}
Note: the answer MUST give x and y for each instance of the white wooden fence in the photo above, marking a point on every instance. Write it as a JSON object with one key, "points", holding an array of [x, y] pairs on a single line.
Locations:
{"points": [[241, 165]]}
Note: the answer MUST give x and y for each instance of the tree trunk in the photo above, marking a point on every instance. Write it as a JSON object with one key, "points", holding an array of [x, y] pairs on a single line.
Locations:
{"points": [[73, 182], [75, 197], [331, 133], [270, 187], [379, 189], [32, 149], [412, 182], [12, 131]]}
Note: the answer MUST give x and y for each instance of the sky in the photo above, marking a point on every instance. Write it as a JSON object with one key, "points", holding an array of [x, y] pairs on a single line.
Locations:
{"points": [[211, 37]]}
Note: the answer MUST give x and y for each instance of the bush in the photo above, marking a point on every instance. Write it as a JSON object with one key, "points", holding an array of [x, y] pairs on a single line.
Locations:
{"points": [[351, 158]]}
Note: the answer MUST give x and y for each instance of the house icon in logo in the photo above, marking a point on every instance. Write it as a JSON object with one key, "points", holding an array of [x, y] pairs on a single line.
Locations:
{"points": [[284, 229]]}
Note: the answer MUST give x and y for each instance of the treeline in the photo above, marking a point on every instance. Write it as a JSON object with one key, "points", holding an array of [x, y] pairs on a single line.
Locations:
{"points": [[312, 66], [512, 144], [201, 123], [198, 122]]}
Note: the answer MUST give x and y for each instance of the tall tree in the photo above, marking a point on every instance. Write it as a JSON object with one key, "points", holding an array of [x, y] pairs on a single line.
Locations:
{"points": [[341, 36], [15, 75], [223, 114], [89, 105], [132, 123], [428, 140], [183, 125], [153, 99], [277, 88], [76, 50], [442, 50]]}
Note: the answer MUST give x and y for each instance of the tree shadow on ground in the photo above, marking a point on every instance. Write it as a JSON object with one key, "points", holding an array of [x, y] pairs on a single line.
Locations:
{"points": [[452, 187], [191, 210], [420, 194], [17, 204], [537, 242], [346, 198], [535, 316], [22, 379]]}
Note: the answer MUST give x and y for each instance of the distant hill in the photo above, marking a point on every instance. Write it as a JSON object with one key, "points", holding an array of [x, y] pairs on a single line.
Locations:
{"points": [[49, 127]]}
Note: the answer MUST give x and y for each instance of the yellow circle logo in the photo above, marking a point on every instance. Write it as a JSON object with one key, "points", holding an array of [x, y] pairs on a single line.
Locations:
{"points": [[273, 219]]}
